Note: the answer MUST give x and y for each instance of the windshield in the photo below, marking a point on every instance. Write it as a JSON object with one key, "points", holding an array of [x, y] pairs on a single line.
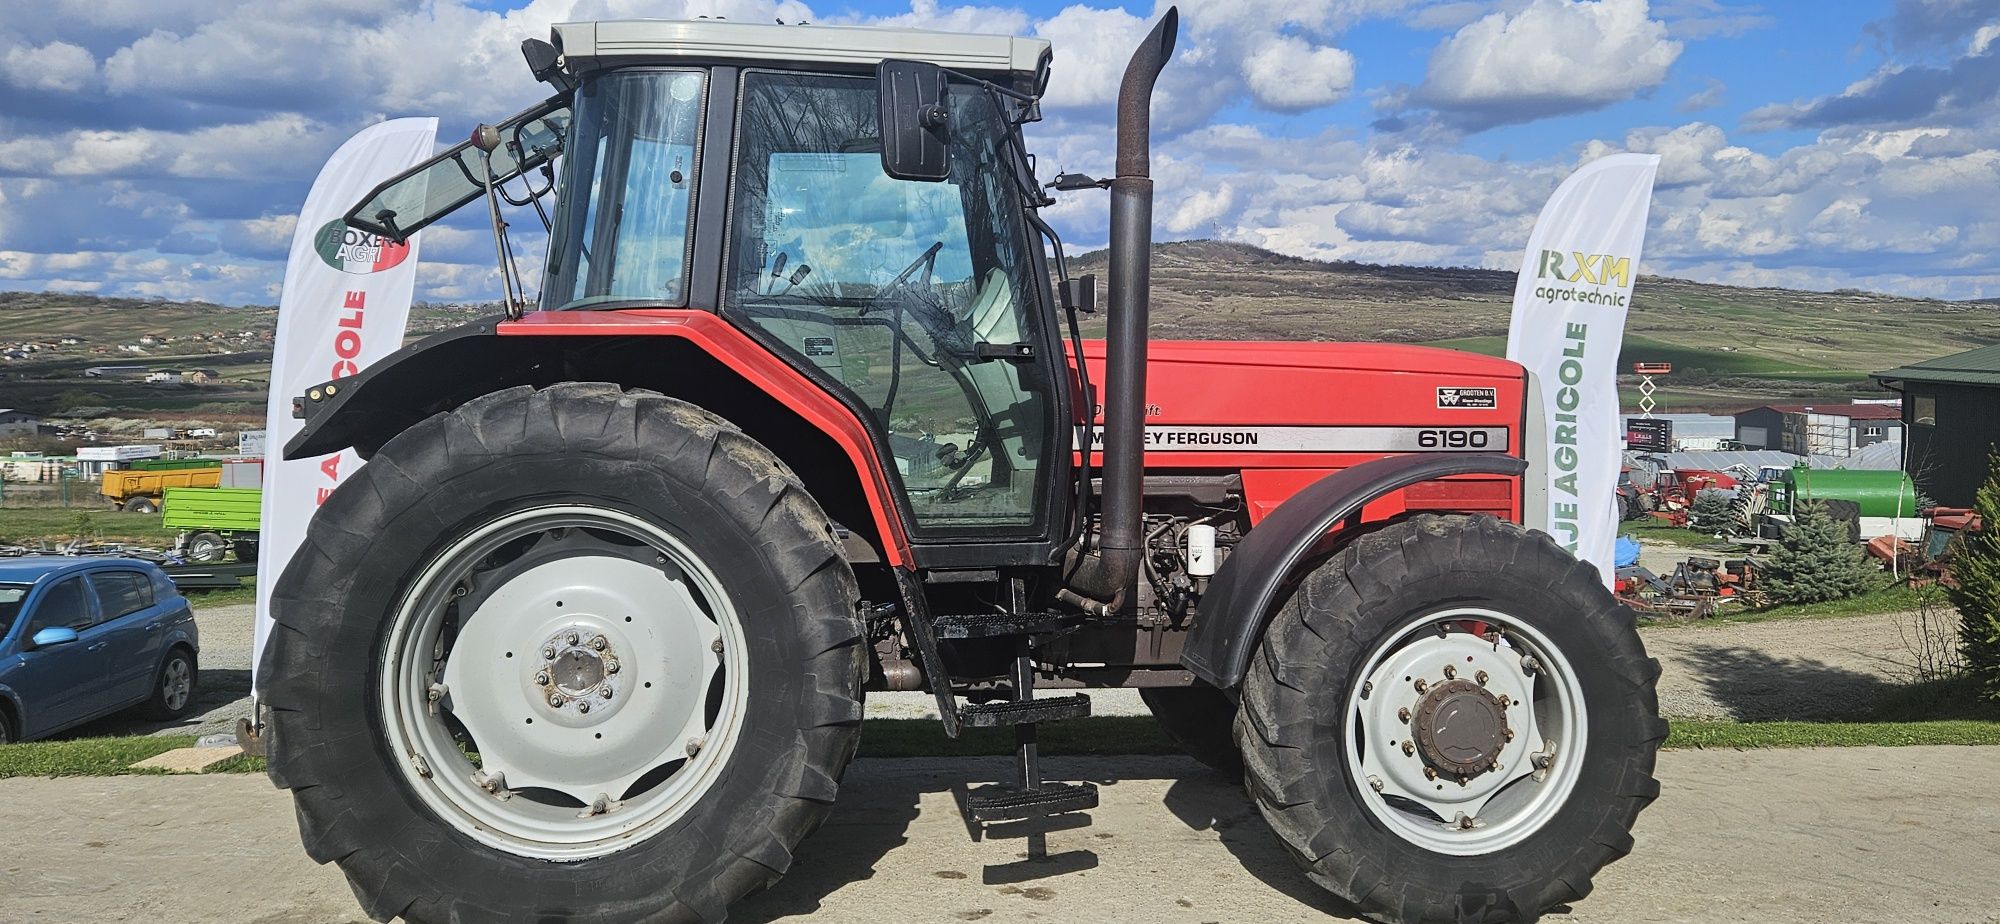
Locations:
{"points": [[904, 292], [628, 191], [11, 596]]}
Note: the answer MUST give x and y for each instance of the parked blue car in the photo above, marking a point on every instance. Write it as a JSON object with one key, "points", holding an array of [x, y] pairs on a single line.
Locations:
{"points": [[81, 638]]}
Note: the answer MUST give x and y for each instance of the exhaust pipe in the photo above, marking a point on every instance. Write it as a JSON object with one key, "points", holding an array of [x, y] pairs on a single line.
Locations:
{"points": [[1105, 573]]}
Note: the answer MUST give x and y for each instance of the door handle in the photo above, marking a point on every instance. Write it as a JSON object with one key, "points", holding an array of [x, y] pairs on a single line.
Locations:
{"points": [[153, 627], [100, 646]]}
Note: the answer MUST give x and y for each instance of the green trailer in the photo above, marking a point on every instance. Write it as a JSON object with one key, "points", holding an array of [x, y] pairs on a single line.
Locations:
{"points": [[1886, 500], [214, 522]]}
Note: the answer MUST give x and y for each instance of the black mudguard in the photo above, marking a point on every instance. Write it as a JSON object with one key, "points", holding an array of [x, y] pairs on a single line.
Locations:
{"points": [[437, 373], [1245, 592]]}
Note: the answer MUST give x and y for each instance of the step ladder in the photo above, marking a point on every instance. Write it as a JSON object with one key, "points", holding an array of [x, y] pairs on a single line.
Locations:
{"points": [[1026, 796]]}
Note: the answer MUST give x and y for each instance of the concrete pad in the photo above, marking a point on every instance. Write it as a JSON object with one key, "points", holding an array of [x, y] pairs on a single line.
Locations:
{"points": [[187, 760], [1783, 836]]}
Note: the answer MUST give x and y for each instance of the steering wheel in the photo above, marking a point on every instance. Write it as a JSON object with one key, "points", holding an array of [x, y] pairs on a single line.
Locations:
{"points": [[926, 261]]}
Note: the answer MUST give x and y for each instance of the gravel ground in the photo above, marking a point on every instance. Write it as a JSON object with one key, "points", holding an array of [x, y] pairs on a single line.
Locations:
{"points": [[1786, 837], [1779, 669]]}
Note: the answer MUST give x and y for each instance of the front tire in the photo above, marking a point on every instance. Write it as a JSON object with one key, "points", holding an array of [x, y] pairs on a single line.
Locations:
{"points": [[463, 599], [141, 505], [207, 548], [1452, 720], [174, 687]]}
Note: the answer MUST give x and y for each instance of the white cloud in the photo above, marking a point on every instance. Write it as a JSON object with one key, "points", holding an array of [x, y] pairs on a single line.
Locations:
{"points": [[1551, 57], [1289, 74], [57, 66]]}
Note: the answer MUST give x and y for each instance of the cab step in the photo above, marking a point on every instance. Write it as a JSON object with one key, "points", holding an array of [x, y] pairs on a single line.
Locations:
{"points": [[1025, 711], [1008, 802], [999, 625]]}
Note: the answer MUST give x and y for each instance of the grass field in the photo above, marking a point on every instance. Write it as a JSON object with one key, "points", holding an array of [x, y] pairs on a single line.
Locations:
{"points": [[29, 525]]}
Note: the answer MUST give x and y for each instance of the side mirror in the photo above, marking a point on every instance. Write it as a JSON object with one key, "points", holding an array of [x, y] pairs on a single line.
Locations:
{"points": [[53, 635], [911, 101]]}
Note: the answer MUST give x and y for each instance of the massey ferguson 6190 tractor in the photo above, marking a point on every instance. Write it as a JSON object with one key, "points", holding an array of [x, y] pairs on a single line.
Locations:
{"points": [[800, 414]]}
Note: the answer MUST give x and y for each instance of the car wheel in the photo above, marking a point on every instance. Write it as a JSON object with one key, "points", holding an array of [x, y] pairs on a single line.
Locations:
{"points": [[569, 654], [206, 548], [174, 688], [1452, 720]]}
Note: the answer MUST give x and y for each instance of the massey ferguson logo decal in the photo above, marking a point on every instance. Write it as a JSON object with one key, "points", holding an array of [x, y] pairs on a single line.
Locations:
{"points": [[357, 252], [1468, 398]]}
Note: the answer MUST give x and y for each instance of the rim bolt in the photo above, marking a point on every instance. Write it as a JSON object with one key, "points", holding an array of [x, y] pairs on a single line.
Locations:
{"points": [[1409, 749], [549, 653], [1480, 677], [573, 638], [1505, 701], [599, 643], [1529, 665], [1465, 822], [583, 705], [1421, 685], [611, 665], [715, 646], [1404, 714], [1367, 687], [1375, 783], [1450, 672], [542, 678], [1506, 734], [1540, 761], [694, 745], [556, 700], [423, 767], [1463, 779], [605, 691], [1430, 773], [435, 693]]}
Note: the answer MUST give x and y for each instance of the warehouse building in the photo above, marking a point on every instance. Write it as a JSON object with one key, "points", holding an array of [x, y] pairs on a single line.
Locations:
{"points": [[1951, 406], [1819, 429], [14, 423]]}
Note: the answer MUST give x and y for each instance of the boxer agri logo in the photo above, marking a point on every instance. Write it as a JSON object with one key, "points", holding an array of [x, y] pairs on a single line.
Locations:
{"points": [[357, 252]]}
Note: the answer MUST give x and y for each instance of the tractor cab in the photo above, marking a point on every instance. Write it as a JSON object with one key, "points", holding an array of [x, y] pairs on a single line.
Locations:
{"points": [[740, 169]]}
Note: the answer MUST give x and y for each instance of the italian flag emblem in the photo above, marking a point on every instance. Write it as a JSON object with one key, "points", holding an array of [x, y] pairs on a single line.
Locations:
{"points": [[359, 252]]}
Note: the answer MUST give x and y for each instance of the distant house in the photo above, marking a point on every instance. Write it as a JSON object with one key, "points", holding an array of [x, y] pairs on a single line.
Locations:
{"points": [[15, 423], [1819, 429], [1949, 406], [163, 378], [203, 376]]}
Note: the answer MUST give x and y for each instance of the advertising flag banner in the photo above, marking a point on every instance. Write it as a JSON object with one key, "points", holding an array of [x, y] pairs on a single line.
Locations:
{"points": [[345, 304], [1570, 303]]}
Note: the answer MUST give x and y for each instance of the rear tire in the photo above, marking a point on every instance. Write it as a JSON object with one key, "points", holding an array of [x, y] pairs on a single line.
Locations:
{"points": [[1201, 720], [411, 840], [141, 505], [174, 687], [1410, 599]]}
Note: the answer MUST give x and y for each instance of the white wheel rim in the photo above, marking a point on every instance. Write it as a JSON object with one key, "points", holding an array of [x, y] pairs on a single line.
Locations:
{"points": [[1537, 767], [640, 630], [177, 683]]}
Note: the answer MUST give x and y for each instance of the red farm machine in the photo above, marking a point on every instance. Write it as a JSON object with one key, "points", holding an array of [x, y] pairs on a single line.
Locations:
{"points": [[800, 414]]}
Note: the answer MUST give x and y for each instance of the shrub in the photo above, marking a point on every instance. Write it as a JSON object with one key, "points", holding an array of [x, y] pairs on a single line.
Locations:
{"points": [[1975, 568], [1814, 561], [1711, 512]]}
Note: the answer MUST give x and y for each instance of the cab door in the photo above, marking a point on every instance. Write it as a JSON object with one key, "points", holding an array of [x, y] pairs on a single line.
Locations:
{"points": [[131, 623]]}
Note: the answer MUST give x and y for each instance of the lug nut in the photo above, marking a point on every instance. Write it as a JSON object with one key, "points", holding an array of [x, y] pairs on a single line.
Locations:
{"points": [[1367, 687], [423, 767], [555, 700], [549, 653], [542, 678], [1430, 773], [605, 691], [583, 705], [1505, 701], [1404, 715], [1529, 665], [1540, 761], [1507, 734], [1450, 672], [1421, 685], [715, 646], [1375, 783], [694, 746], [1465, 822], [1480, 677], [599, 643], [611, 665], [573, 638], [1409, 749]]}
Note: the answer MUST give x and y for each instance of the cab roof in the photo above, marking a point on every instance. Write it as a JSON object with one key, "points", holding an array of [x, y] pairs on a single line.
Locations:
{"points": [[31, 568], [588, 45]]}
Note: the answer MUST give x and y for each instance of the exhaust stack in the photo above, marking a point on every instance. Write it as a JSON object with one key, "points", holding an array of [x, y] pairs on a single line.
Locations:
{"points": [[1105, 573]]}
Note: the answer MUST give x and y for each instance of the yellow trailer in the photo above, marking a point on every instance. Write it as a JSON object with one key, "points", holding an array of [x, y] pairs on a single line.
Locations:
{"points": [[140, 491]]}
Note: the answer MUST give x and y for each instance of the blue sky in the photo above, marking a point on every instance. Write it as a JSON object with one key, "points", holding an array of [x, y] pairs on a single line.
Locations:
{"points": [[160, 147]]}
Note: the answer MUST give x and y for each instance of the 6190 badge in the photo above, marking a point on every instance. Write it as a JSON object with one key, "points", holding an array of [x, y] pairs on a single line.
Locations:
{"points": [[1468, 397]]}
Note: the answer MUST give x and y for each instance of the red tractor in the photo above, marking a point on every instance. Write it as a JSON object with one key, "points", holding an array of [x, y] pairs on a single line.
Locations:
{"points": [[800, 415]]}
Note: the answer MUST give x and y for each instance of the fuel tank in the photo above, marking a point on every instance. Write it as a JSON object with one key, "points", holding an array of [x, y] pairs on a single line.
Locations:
{"points": [[1284, 414]]}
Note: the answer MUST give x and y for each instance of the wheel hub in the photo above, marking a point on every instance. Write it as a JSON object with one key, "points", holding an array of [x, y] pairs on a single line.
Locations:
{"points": [[580, 672], [1460, 728]]}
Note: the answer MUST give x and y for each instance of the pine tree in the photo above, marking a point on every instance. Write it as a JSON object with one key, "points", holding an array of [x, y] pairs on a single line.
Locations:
{"points": [[1710, 513], [1815, 562], [1975, 568]]}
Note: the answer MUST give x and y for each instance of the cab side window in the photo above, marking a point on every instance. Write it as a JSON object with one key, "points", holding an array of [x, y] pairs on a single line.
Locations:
{"points": [[66, 605], [121, 593]]}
